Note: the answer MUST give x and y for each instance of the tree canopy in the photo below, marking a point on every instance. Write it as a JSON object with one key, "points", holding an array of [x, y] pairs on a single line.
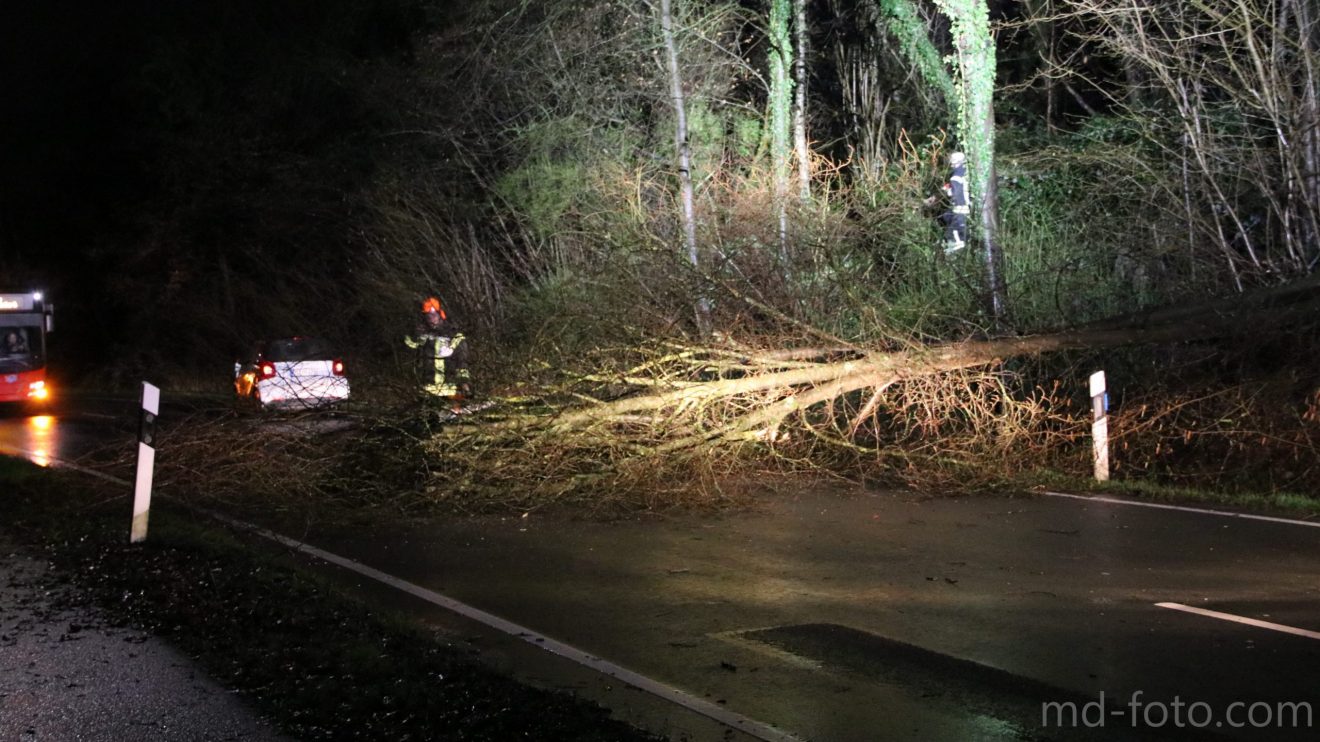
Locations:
{"points": [[249, 168]]}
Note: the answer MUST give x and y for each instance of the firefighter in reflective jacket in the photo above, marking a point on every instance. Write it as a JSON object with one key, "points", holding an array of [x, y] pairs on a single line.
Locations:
{"points": [[441, 354], [955, 219]]}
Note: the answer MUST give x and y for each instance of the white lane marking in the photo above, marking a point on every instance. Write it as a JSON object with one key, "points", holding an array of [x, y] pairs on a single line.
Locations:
{"points": [[747, 725], [1242, 620], [730, 719], [1185, 509], [60, 463]]}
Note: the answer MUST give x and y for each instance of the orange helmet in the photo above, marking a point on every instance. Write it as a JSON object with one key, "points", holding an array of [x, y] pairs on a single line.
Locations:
{"points": [[432, 304]]}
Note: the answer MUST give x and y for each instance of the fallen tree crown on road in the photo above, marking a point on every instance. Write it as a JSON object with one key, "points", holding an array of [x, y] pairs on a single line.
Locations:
{"points": [[671, 424], [687, 403]]}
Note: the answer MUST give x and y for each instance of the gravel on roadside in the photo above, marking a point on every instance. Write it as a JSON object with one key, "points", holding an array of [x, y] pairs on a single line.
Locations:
{"points": [[68, 672]]}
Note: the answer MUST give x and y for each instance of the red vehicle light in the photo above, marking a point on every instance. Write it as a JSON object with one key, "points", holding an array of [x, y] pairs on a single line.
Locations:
{"points": [[337, 366], [267, 370]]}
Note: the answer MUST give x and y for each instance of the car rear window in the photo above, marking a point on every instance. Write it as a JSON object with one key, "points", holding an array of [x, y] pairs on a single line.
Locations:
{"points": [[298, 349]]}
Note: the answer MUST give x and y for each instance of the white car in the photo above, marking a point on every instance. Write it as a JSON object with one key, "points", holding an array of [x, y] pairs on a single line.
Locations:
{"points": [[292, 373]]}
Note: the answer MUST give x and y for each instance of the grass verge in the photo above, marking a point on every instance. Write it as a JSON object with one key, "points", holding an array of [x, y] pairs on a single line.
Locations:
{"points": [[318, 663], [1289, 503]]}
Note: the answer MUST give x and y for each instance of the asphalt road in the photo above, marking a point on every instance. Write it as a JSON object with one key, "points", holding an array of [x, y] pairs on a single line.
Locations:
{"points": [[67, 430], [865, 615], [849, 615]]}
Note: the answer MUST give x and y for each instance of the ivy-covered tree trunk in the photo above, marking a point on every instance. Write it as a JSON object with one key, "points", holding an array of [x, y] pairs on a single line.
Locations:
{"points": [[905, 23], [681, 144], [781, 104], [974, 61], [800, 105]]}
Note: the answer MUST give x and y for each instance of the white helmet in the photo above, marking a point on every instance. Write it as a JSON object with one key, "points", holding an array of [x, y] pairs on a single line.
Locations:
{"points": [[957, 158]]}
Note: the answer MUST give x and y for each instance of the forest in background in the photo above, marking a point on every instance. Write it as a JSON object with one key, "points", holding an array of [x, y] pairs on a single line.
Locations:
{"points": [[590, 185]]}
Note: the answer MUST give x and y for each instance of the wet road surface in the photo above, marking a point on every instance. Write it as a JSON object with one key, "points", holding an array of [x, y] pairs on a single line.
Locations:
{"points": [[41, 437], [883, 616], [68, 429], [65, 672], [846, 615]]}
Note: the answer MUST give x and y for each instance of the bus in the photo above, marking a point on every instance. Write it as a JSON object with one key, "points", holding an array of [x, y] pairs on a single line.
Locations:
{"points": [[25, 321]]}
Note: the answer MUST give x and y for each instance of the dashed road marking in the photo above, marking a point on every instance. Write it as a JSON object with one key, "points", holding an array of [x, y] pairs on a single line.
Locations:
{"points": [[1242, 620]]}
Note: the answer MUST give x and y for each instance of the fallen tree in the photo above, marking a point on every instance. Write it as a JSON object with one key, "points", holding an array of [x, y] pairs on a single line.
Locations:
{"points": [[689, 409], [671, 391], [687, 425]]}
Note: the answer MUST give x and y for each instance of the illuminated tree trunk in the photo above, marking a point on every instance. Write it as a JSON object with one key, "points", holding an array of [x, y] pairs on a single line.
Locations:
{"points": [[974, 57], [781, 104], [686, 198], [989, 216], [800, 107]]}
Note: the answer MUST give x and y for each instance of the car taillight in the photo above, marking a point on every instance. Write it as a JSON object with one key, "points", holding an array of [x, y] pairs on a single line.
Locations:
{"points": [[267, 370], [337, 366]]}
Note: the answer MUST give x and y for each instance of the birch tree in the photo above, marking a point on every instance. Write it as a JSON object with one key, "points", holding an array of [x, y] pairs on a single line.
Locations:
{"points": [[781, 105], [800, 149], [684, 155]]}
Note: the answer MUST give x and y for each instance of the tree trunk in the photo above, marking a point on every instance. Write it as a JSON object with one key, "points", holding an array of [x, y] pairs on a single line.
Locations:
{"points": [[684, 153], [989, 212], [800, 109], [781, 104], [1041, 18], [975, 59]]}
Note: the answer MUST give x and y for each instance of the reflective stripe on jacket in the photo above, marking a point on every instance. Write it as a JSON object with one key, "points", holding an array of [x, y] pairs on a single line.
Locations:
{"points": [[959, 199]]}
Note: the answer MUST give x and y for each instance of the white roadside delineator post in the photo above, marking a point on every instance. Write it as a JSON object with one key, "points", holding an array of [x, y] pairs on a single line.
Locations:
{"points": [[1100, 425], [146, 462]]}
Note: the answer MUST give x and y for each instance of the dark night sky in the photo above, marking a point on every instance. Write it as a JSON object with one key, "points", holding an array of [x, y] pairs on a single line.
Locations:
{"points": [[97, 93], [67, 146], [140, 139]]}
